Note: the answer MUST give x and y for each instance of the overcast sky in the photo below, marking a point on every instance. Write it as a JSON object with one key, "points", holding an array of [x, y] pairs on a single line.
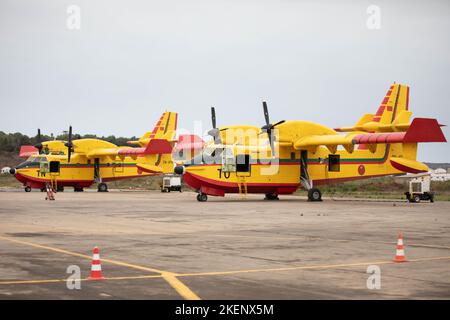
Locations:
{"points": [[131, 60]]}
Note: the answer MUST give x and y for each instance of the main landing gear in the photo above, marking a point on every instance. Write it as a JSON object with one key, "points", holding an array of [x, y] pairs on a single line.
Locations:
{"points": [[102, 187], [78, 189], [271, 196], [27, 189], [201, 197], [314, 194]]}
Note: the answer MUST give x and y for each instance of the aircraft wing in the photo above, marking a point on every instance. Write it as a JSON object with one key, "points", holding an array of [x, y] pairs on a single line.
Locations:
{"points": [[420, 130], [155, 146]]}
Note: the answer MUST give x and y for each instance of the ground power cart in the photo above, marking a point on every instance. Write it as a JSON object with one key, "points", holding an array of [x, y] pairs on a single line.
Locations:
{"points": [[419, 189], [171, 183]]}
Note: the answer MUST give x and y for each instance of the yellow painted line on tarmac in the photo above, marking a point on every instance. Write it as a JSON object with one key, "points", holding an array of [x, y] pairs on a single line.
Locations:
{"points": [[181, 288], [169, 277], [10, 282], [316, 267]]}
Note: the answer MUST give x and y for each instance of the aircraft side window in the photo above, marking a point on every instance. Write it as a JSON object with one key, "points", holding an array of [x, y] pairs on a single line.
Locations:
{"points": [[54, 166], [228, 160], [334, 161], [243, 163]]}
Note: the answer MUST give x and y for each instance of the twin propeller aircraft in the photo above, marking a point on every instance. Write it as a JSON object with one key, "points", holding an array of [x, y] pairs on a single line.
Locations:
{"points": [[279, 158], [83, 162], [274, 160]]}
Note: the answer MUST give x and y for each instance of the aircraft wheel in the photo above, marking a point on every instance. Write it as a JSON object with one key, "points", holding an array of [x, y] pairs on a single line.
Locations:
{"points": [[102, 187], [314, 194], [77, 189], [27, 189], [202, 197], [271, 196]]}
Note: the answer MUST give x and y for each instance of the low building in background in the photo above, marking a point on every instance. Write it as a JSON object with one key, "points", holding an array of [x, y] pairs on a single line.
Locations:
{"points": [[440, 174]]}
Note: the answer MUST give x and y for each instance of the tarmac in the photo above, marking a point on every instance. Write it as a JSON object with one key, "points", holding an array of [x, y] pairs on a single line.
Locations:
{"points": [[169, 246]]}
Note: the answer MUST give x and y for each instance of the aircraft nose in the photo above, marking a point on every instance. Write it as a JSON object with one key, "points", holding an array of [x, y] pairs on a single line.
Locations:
{"points": [[12, 171], [179, 169]]}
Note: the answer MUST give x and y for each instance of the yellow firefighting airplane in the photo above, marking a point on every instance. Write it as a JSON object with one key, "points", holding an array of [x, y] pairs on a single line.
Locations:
{"points": [[307, 154], [83, 162]]}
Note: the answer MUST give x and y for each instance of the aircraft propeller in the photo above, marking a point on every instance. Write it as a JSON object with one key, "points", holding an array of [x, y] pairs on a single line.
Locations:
{"points": [[215, 132], [38, 144], [69, 145], [268, 127]]}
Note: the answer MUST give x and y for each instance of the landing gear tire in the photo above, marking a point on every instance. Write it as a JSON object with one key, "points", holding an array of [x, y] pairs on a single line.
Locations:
{"points": [[77, 189], [201, 197], [271, 197], [102, 187], [314, 194], [27, 189]]}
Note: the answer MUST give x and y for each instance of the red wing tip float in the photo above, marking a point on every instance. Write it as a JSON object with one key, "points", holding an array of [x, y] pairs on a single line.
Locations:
{"points": [[308, 154]]}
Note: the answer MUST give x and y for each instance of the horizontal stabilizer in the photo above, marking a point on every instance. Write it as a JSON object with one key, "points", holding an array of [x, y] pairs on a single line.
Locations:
{"points": [[420, 130]]}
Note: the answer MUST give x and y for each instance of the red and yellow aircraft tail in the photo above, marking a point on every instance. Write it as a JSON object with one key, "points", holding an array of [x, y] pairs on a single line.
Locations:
{"points": [[391, 126], [392, 114], [394, 104], [164, 129]]}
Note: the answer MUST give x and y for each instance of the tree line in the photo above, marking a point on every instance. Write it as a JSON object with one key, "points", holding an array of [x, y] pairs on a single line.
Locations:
{"points": [[11, 142]]}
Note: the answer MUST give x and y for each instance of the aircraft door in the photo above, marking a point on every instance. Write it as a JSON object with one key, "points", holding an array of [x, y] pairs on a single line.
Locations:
{"points": [[243, 165], [97, 170], [304, 175], [54, 168], [334, 163]]}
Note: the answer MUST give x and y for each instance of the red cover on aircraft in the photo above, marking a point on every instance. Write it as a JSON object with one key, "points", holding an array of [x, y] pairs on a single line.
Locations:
{"points": [[158, 146], [27, 151], [189, 141]]}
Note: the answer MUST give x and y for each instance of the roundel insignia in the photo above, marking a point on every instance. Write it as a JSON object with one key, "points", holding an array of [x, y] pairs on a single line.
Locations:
{"points": [[361, 169]]}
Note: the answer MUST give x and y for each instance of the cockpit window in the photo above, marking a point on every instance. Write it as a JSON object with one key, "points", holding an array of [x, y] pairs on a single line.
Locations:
{"points": [[37, 159]]}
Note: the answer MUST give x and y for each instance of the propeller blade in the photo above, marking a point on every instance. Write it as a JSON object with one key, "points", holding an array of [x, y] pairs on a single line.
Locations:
{"points": [[266, 113], [213, 117], [278, 123], [214, 132], [69, 145], [271, 141], [39, 141], [70, 134]]}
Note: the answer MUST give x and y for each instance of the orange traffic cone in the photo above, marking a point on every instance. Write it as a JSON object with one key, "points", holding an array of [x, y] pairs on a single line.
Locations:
{"points": [[96, 266], [400, 252]]}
